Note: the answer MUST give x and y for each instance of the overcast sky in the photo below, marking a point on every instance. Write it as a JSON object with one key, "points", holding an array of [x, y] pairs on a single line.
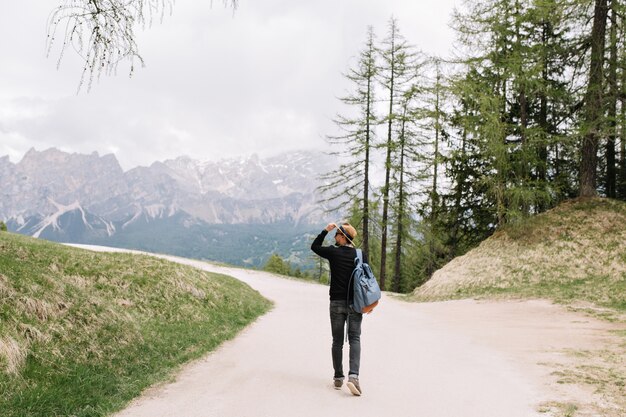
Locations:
{"points": [[217, 84]]}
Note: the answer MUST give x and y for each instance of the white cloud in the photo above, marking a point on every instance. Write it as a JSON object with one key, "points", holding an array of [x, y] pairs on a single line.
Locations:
{"points": [[215, 85]]}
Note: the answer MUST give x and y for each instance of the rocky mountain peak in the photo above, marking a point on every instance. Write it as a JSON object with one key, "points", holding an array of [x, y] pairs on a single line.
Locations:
{"points": [[245, 190]]}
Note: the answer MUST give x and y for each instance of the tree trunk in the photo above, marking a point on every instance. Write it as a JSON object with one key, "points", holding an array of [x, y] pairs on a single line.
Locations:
{"points": [[593, 103], [612, 107], [385, 218], [434, 196], [383, 240], [366, 184], [454, 235], [400, 227], [522, 100], [543, 109], [621, 182]]}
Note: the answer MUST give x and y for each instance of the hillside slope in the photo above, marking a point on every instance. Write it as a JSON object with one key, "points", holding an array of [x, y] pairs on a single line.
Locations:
{"points": [[82, 333], [574, 252]]}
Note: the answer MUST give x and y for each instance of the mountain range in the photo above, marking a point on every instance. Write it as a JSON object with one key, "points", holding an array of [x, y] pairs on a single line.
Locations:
{"points": [[238, 211]]}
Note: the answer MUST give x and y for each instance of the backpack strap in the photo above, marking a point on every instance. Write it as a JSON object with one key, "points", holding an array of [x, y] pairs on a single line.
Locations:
{"points": [[359, 256]]}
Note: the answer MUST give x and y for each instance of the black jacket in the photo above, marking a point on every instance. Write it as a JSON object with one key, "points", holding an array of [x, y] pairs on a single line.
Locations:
{"points": [[341, 260]]}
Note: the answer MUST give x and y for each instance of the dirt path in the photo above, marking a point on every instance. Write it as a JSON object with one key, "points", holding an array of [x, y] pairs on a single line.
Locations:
{"points": [[460, 358]]}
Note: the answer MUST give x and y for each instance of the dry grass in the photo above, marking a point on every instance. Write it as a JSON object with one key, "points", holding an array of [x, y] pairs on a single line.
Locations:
{"points": [[601, 370], [12, 355], [576, 243]]}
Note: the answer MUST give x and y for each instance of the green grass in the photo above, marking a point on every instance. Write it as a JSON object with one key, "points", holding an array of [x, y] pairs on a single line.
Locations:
{"points": [[83, 333], [597, 289]]}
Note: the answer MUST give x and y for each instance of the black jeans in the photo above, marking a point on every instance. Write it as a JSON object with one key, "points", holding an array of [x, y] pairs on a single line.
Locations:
{"points": [[340, 313]]}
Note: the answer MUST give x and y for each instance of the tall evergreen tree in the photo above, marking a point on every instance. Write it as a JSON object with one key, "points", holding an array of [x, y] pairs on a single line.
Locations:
{"points": [[621, 170], [403, 178], [552, 50], [468, 215], [436, 114], [610, 175], [593, 117], [351, 181], [397, 73], [525, 77]]}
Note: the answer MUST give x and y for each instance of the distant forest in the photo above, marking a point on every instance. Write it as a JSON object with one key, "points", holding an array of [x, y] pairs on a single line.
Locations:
{"points": [[529, 112]]}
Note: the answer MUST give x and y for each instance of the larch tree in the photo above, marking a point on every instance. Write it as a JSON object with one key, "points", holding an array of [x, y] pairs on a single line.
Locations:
{"points": [[593, 116], [397, 72], [433, 121], [610, 176], [402, 178], [350, 182], [621, 171]]}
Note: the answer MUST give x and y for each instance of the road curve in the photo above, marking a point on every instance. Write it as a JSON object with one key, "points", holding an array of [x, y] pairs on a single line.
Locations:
{"points": [[411, 365]]}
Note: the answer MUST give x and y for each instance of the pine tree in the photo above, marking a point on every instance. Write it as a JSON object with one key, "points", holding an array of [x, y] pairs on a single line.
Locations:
{"points": [[396, 74], [552, 50], [277, 265], [612, 96], [593, 117], [351, 181], [467, 212], [621, 170], [432, 219], [524, 81], [402, 178]]}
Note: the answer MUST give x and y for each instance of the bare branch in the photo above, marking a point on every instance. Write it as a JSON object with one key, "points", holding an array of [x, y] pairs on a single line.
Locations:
{"points": [[102, 32]]}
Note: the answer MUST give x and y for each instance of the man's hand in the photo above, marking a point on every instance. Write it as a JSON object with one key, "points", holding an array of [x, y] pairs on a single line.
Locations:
{"points": [[330, 227]]}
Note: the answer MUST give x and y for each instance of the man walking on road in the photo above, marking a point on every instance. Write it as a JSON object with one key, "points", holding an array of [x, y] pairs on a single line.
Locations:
{"points": [[341, 259]]}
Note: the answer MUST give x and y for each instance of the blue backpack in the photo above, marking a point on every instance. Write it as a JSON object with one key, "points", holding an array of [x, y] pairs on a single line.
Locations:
{"points": [[366, 289]]}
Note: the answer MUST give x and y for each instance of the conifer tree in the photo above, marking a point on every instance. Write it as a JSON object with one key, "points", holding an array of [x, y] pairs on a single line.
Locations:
{"points": [[520, 57], [277, 265], [350, 182], [593, 117], [396, 74], [621, 170], [612, 97], [402, 178], [469, 213], [434, 117]]}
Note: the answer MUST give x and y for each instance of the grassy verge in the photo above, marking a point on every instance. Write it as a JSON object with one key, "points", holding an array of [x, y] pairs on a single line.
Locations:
{"points": [[599, 290], [83, 333]]}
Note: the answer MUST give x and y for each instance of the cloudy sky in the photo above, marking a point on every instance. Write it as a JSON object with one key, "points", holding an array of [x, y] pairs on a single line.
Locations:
{"points": [[217, 84]]}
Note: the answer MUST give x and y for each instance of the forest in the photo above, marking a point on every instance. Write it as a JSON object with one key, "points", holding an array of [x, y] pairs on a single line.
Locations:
{"points": [[442, 151]]}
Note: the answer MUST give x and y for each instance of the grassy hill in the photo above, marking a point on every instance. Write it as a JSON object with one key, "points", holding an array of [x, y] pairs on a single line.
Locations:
{"points": [[573, 253], [82, 333]]}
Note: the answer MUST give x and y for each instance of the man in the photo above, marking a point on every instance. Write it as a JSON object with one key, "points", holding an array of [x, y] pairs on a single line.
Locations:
{"points": [[341, 259]]}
